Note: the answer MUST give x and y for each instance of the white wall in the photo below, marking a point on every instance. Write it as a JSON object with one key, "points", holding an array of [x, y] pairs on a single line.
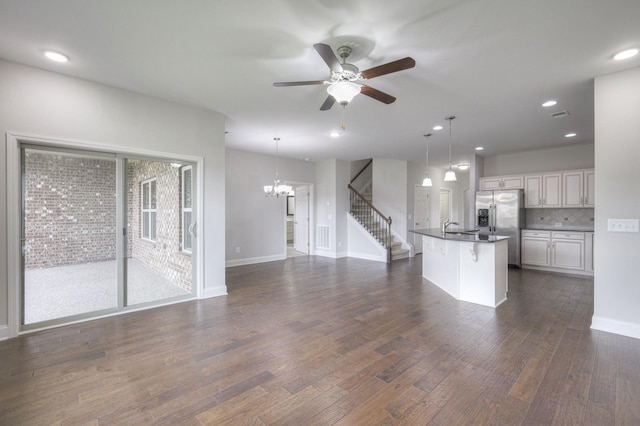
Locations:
{"points": [[389, 184], [617, 163], [326, 203], [342, 207], [543, 160], [39, 103], [255, 224]]}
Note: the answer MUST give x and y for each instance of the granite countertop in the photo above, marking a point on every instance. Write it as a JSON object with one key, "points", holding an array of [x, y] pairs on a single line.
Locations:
{"points": [[455, 235], [574, 228]]}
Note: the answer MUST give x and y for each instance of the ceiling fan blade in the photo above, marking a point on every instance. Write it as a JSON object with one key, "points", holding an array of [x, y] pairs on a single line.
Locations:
{"points": [[395, 66], [328, 103], [330, 58], [377, 94], [298, 83]]}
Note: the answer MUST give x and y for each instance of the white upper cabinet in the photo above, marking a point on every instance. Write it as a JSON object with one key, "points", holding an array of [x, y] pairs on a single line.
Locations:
{"points": [[572, 188], [533, 191], [578, 188], [544, 190], [551, 190], [501, 182], [589, 192]]}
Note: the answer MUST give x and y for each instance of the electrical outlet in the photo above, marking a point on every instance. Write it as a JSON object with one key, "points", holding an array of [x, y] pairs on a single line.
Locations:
{"points": [[623, 225], [558, 224], [237, 249]]}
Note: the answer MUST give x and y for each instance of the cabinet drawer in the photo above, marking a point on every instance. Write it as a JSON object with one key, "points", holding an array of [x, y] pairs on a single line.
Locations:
{"points": [[538, 234], [568, 235]]}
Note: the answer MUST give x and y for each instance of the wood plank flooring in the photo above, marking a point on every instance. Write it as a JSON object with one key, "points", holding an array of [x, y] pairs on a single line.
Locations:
{"points": [[315, 341]]}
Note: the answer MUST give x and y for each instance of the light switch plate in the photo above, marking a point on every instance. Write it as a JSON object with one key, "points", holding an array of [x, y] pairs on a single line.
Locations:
{"points": [[623, 225]]}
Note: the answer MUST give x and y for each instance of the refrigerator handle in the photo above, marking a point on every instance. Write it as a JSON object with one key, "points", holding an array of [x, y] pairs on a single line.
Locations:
{"points": [[492, 218]]}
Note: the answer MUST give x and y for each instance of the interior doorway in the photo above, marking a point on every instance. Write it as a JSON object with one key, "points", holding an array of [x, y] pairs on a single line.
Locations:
{"points": [[102, 232], [445, 205], [421, 214], [298, 221]]}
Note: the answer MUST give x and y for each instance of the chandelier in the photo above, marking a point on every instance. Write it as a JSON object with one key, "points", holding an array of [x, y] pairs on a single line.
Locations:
{"points": [[276, 190]]}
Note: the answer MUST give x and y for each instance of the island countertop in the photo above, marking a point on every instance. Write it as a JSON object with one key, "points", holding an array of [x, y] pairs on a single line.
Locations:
{"points": [[459, 235]]}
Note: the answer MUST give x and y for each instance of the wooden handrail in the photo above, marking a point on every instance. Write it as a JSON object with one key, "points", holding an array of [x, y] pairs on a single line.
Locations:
{"points": [[373, 220], [386, 219], [360, 172]]}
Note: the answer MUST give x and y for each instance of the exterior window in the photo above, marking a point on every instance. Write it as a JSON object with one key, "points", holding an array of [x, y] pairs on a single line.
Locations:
{"points": [[187, 218], [148, 188]]}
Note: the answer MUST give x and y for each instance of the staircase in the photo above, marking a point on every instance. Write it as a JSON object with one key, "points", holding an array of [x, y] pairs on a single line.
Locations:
{"points": [[376, 223]]}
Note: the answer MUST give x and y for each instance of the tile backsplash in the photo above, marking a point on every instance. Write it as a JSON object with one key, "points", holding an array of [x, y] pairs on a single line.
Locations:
{"points": [[551, 217]]}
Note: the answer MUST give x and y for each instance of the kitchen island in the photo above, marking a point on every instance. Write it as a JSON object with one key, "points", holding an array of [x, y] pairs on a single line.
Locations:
{"points": [[469, 266]]}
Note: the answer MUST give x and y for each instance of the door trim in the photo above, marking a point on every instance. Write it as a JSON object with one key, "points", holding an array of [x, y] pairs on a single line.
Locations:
{"points": [[14, 179]]}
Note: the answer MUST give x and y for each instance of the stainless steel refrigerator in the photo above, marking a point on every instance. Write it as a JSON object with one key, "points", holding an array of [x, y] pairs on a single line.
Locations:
{"points": [[502, 213]]}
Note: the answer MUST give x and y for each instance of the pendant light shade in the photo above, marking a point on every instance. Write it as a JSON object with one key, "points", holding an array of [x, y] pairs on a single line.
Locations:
{"points": [[427, 180], [450, 176], [276, 190]]}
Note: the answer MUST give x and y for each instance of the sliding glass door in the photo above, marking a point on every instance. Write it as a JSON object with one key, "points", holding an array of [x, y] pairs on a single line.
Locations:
{"points": [[102, 232]]}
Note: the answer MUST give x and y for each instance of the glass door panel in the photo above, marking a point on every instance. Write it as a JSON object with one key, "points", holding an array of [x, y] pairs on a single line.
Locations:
{"points": [[159, 231], [69, 234]]}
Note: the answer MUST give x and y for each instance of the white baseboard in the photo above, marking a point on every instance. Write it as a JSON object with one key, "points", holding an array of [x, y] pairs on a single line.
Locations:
{"points": [[219, 290], [4, 332], [609, 325], [367, 256], [252, 260], [323, 253]]}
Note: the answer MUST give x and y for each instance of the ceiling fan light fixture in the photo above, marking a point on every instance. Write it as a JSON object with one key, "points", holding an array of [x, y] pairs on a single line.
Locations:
{"points": [[343, 91]]}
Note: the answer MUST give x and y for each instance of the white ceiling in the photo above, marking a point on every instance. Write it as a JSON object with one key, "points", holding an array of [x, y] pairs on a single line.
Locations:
{"points": [[489, 62]]}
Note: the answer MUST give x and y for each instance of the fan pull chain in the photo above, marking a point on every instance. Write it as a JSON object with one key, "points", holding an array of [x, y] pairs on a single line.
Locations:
{"points": [[342, 114]]}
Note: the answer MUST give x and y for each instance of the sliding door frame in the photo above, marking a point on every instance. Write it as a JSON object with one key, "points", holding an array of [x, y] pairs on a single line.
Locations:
{"points": [[14, 217]]}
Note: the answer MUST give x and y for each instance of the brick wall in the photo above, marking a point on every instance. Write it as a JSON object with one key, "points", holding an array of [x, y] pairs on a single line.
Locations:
{"points": [[163, 255], [70, 206], [70, 210]]}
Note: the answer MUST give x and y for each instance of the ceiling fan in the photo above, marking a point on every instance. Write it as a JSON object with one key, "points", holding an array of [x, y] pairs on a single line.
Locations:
{"points": [[345, 77]]}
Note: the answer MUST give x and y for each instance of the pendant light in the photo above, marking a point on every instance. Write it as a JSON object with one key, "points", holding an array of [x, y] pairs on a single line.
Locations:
{"points": [[427, 179], [450, 176], [276, 190]]}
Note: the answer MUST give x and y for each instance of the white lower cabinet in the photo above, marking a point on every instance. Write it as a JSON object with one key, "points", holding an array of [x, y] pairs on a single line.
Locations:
{"points": [[567, 250], [535, 248], [554, 250]]}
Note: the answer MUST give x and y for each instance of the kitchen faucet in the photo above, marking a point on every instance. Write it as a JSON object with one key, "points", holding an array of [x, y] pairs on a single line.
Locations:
{"points": [[446, 224]]}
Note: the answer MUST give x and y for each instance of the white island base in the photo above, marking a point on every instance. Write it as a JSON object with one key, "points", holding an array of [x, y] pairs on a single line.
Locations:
{"points": [[475, 272]]}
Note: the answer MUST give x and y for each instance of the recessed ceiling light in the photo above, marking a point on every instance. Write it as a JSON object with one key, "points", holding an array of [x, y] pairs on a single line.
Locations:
{"points": [[55, 56], [625, 54], [438, 127], [549, 103], [569, 135], [479, 148], [334, 134]]}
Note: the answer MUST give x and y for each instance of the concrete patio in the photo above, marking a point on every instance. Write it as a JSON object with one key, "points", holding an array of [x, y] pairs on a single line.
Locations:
{"points": [[62, 291]]}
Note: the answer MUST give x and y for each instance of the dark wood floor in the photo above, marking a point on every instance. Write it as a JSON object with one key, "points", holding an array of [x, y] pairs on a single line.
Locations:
{"points": [[318, 341]]}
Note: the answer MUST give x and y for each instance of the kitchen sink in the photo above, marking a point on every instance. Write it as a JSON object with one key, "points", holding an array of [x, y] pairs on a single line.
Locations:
{"points": [[464, 232]]}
